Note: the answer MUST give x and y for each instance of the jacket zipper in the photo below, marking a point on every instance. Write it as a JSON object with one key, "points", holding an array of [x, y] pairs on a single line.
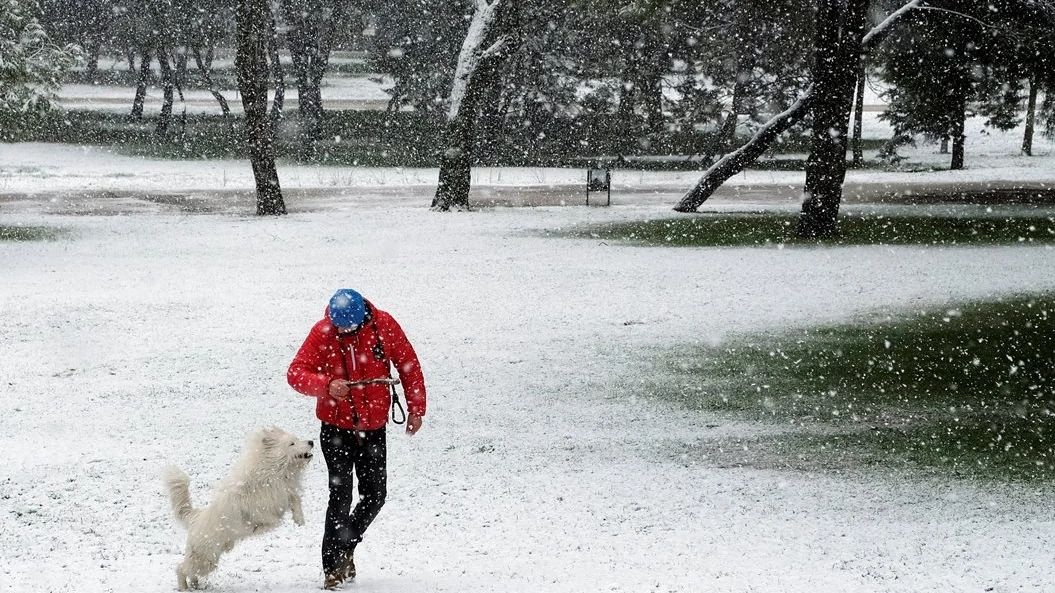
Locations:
{"points": [[345, 355]]}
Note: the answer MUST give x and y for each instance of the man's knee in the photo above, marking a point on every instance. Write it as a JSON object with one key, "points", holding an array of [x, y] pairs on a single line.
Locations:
{"points": [[374, 498]]}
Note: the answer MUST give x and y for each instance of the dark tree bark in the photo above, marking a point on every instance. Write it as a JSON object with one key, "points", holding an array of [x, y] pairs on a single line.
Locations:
{"points": [[141, 85], [253, 20], [744, 60], [167, 89], [652, 83], [840, 28], [1031, 117], [452, 190], [958, 135], [91, 56]]}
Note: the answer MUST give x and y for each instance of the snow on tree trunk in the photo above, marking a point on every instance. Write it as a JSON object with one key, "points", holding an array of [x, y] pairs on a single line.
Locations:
{"points": [[467, 89], [859, 112], [254, 33]]}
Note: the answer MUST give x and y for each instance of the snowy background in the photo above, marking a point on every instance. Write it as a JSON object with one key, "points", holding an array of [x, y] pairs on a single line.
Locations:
{"points": [[158, 329]]}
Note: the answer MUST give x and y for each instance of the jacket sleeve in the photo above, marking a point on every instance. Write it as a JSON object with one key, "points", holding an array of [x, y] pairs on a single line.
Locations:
{"points": [[403, 357], [306, 373]]}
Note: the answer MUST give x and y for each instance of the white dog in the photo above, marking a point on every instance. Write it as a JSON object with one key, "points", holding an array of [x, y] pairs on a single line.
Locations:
{"points": [[263, 485]]}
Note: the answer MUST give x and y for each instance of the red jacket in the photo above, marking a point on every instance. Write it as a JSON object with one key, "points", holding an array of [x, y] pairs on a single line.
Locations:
{"points": [[364, 354]]}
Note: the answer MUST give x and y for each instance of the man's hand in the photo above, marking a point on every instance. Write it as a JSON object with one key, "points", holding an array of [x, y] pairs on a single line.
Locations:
{"points": [[413, 424], [339, 389]]}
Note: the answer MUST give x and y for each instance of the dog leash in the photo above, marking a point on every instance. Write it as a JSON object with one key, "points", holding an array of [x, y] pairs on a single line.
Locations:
{"points": [[392, 383]]}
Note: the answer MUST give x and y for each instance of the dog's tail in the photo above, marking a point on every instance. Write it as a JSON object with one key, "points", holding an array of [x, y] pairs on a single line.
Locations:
{"points": [[178, 485]]}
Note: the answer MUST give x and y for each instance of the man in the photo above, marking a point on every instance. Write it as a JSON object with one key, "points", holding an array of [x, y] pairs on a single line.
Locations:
{"points": [[350, 346]]}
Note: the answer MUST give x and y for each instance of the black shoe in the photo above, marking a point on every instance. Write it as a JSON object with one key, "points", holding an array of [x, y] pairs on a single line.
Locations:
{"points": [[332, 581], [347, 568], [344, 572]]}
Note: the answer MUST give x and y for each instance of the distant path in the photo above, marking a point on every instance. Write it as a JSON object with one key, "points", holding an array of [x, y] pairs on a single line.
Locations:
{"points": [[115, 202]]}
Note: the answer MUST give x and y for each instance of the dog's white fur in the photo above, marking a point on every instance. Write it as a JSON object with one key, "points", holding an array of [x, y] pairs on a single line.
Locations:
{"points": [[262, 486]]}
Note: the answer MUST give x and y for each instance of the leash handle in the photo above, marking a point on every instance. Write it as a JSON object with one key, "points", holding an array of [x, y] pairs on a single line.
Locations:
{"points": [[383, 381], [397, 406]]}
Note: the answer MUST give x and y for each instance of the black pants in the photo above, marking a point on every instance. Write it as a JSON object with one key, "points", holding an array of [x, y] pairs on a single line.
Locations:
{"points": [[345, 454]]}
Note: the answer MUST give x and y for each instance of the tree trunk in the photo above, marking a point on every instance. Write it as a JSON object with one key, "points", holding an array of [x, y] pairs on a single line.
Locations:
{"points": [[167, 86], [91, 67], [455, 178], [744, 63], [958, 136], [840, 27], [253, 20], [1031, 116], [652, 85], [312, 27], [727, 133], [205, 70], [624, 114], [490, 129], [141, 86], [310, 109], [467, 91], [859, 114], [734, 162]]}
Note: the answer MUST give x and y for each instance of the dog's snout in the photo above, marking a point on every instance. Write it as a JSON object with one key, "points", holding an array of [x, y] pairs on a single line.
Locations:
{"points": [[311, 443]]}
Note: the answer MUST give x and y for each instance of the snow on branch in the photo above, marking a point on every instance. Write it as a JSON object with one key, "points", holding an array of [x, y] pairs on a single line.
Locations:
{"points": [[495, 48], [883, 29]]}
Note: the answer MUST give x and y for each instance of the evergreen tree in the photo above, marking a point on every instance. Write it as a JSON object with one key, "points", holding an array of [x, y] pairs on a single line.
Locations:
{"points": [[959, 59], [31, 68]]}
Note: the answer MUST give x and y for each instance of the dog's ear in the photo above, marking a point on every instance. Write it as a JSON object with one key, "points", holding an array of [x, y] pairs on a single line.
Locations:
{"points": [[269, 437]]}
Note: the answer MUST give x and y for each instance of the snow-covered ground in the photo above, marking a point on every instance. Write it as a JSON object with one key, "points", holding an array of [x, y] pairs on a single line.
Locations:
{"points": [[150, 334]]}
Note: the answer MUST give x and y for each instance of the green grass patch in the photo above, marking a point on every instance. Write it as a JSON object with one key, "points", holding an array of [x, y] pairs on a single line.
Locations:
{"points": [[778, 229], [968, 390], [29, 233]]}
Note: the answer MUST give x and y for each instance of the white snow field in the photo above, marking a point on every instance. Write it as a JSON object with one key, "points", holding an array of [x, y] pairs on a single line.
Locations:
{"points": [[150, 334]]}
